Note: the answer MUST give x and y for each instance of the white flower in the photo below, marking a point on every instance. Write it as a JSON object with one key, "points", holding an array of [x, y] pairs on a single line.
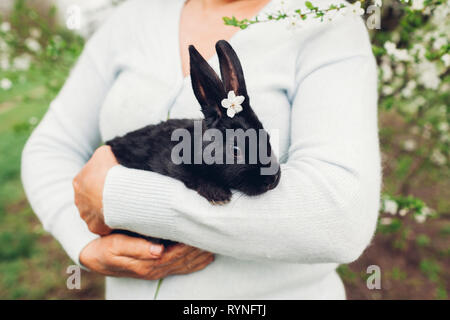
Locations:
{"points": [[439, 43], [438, 158], [402, 55], [33, 45], [35, 33], [409, 88], [386, 71], [427, 211], [331, 16], [233, 104], [390, 47], [428, 75], [390, 206], [5, 26], [398, 54], [403, 212], [387, 90], [417, 4], [5, 84], [22, 62], [443, 126], [446, 59], [400, 69], [420, 50], [353, 10], [294, 22], [386, 221], [420, 218], [409, 145], [378, 3]]}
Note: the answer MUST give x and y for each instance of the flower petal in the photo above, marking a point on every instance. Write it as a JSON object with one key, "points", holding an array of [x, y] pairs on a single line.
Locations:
{"points": [[231, 95], [238, 108], [226, 103], [231, 112], [239, 100]]}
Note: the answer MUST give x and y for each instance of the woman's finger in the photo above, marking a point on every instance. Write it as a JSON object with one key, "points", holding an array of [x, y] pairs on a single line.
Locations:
{"points": [[175, 253], [186, 260], [200, 263], [136, 248]]}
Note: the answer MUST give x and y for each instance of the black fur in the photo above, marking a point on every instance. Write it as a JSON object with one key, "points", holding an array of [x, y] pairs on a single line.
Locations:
{"points": [[150, 148]]}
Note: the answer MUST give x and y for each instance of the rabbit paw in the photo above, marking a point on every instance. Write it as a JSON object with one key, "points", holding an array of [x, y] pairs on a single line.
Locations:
{"points": [[215, 195]]}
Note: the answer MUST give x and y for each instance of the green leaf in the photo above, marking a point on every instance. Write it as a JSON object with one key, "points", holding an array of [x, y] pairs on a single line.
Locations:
{"points": [[309, 5]]}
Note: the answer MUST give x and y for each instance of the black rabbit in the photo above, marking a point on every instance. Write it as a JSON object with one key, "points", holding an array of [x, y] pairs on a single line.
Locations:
{"points": [[151, 148]]}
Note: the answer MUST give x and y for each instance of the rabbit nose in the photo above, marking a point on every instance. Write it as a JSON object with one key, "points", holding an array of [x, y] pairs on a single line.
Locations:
{"points": [[275, 181]]}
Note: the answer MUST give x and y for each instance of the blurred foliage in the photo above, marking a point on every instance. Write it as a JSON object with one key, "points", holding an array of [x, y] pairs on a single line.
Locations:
{"points": [[36, 55]]}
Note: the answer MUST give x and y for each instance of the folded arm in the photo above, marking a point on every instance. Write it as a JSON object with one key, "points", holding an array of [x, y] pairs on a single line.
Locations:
{"points": [[326, 205]]}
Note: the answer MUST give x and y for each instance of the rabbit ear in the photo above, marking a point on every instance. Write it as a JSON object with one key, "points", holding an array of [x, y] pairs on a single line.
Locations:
{"points": [[207, 86], [231, 69]]}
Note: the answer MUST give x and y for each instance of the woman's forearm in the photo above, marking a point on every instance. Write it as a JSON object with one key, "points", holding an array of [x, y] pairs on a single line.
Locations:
{"points": [[325, 207]]}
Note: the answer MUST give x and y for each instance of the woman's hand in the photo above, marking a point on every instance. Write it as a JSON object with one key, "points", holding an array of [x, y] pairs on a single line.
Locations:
{"points": [[123, 256], [88, 186]]}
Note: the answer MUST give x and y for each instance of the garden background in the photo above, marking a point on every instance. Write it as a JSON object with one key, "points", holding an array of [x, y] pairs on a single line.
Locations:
{"points": [[411, 246]]}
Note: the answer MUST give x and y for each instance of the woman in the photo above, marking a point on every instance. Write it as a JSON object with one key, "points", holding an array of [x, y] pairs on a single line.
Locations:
{"points": [[316, 87]]}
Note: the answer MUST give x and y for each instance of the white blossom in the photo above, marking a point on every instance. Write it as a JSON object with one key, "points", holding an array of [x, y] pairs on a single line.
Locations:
{"points": [[353, 9], [439, 43], [5, 84], [419, 50], [233, 104], [407, 92], [22, 62], [438, 158], [35, 33], [420, 218], [443, 126], [331, 16], [446, 59], [386, 221], [400, 68], [390, 206], [32, 45], [386, 70], [428, 75], [409, 145], [403, 212], [417, 4], [5, 26], [387, 90], [397, 54], [294, 22]]}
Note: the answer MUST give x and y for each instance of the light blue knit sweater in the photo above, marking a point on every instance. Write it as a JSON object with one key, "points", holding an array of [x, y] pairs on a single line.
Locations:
{"points": [[316, 87]]}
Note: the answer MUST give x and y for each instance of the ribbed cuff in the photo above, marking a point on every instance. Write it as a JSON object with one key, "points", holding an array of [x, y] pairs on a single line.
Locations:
{"points": [[140, 201]]}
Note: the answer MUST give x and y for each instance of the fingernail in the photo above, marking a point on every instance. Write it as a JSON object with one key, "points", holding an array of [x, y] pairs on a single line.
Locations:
{"points": [[155, 250]]}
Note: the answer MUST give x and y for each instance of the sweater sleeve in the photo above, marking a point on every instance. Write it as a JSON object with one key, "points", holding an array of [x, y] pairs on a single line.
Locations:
{"points": [[326, 204], [65, 140]]}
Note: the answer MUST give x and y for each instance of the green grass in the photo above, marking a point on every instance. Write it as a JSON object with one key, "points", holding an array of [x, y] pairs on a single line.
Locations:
{"points": [[32, 264]]}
